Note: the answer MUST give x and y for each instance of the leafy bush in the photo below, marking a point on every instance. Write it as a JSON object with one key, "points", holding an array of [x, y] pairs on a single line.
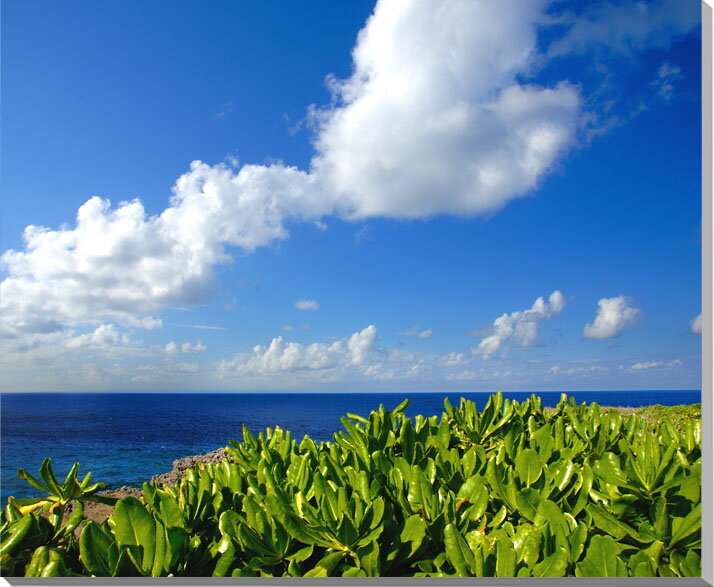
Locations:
{"points": [[510, 491]]}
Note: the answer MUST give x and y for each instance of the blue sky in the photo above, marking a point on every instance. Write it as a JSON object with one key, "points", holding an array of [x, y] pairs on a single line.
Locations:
{"points": [[342, 196]]}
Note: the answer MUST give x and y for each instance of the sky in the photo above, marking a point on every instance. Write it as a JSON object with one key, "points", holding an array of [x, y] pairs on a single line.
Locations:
{"points": [[414, 195]]}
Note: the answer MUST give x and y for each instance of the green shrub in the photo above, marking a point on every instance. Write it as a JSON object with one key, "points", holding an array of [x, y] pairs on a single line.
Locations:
{"points": [[513, 490]]}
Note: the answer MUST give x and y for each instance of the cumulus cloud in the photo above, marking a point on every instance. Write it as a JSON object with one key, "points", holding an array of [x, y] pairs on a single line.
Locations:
{"points": [[519, 329], [104, 335], [442, 127], [118, 264], [613, 316], [627, 27], [695, 325], [292, 356], [172, 348], [307, 305]]}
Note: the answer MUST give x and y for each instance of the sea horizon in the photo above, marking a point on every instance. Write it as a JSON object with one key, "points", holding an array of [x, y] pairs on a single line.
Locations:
{"points": [[331, 392]]}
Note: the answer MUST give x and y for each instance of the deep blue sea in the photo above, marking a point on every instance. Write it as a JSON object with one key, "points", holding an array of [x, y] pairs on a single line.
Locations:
{"points": [[125, 438]]}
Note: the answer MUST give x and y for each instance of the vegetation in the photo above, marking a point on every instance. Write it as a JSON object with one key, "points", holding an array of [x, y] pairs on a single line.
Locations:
{"points": [[514, 490], [677, 415]]}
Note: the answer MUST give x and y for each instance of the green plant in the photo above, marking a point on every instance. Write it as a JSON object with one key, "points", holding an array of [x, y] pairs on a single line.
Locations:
{"points": [[512, 490]]}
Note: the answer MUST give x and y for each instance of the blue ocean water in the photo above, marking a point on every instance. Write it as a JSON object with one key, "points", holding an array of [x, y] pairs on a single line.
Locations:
{"points": [[125, 438]]}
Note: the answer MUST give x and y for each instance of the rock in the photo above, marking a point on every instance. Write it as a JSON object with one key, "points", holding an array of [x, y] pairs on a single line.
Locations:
{"points": [[181, 465]]}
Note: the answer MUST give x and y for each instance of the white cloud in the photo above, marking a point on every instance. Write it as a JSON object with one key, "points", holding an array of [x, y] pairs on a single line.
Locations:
{"points": [[307, 305], [519, 329], [105, 335], [187, 347], [578, 371], [187, 367], [695, 325], [172, 348], [120, 265], [627, 27], [290, 327], [227, 109], [652, 364], [421, 334], [292, 356], [613, 316], [442, 127], [667, 77]]}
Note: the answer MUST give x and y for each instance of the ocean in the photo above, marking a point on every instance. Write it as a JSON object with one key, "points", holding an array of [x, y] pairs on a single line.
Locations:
{"points": [[126, 438]]}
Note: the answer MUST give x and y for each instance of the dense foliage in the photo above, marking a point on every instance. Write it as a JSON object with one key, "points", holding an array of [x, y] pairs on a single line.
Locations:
{"points": [[677, 415], [510, 491]]}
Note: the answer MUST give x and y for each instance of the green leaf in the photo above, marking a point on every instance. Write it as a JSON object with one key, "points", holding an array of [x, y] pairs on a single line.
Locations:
{"points": [[689, 565], [601, 559], [553, 565], [683, 528], [15, 535], [49, 477], [369, 559], [406, 440], [605, 521], [458, 552], [528, 501], [357, 418], [608, 469], [641, 564], [134, 526], [401, 407], [505, 559], [413, 532], [326, 565], [74, 520], [170, 510], [94, 543], [36, 483], [576, 541], [527, 541], [494, 480], [225, 562], [528, 466]]}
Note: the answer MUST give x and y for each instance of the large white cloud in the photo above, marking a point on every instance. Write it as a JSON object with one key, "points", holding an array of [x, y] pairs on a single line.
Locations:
{"points": [[122, 265], [519, 329], [433, 121], [613, 316]]}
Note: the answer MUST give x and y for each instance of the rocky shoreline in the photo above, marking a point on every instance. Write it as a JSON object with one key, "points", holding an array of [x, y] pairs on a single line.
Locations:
{"points": [[99, 512], [180, 466]]}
